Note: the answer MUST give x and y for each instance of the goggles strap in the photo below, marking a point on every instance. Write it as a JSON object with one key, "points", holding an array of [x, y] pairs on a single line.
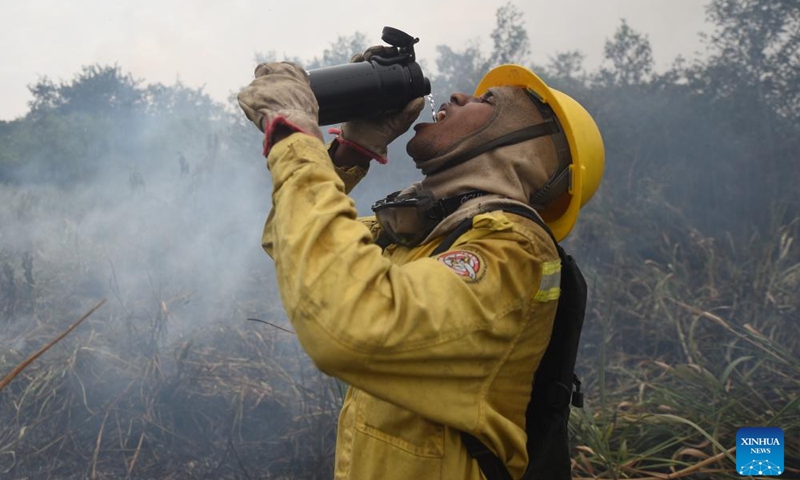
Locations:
{"points": [[450, 204]]}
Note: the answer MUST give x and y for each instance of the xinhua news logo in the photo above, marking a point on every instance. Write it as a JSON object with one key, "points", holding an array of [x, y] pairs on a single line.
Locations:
{"points": [[759, 451]]}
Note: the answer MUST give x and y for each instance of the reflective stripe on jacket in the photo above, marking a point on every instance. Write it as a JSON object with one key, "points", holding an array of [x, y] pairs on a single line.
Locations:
{"points": [[429, 346]]}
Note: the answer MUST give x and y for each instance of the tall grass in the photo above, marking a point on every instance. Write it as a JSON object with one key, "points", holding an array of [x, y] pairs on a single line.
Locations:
{"points": [[685, 347]]}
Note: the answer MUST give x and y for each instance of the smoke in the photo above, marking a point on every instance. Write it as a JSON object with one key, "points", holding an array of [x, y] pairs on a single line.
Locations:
{"points": [[158, 207], [176, 217]]}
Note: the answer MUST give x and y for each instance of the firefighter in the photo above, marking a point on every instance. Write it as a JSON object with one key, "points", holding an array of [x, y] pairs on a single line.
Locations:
{"points": [[431, 343]]}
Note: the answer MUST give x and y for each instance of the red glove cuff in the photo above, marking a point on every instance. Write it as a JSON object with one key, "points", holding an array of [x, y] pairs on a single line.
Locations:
{"points": [[358, 148], [270, 131]]}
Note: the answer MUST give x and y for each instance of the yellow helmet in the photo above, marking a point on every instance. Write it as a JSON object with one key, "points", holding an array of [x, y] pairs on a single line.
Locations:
{"points": [[583, 136]]}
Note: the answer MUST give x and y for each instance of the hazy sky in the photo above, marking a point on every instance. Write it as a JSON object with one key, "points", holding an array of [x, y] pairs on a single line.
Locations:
{"points": [[212, 43]]}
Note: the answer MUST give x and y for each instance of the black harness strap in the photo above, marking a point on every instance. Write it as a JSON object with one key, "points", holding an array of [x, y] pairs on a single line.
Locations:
{"points": [[451, 237], [491, 466]]}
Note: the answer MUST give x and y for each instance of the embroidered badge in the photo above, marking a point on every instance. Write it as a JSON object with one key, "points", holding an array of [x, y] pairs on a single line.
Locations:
{"points": [[466, 264]]}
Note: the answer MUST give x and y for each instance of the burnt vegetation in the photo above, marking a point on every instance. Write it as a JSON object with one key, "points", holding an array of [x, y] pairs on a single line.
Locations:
{"points": [[152, 196]]}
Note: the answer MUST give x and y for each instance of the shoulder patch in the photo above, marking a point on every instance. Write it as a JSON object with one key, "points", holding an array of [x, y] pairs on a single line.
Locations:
{"points": [[468, 265]]}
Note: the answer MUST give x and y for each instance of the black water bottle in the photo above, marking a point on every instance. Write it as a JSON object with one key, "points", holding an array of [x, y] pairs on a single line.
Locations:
{"points": [[385, 83]]}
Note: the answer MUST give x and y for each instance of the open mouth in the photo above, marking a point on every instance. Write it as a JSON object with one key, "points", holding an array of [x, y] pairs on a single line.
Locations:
{"points": [[440, 115]]}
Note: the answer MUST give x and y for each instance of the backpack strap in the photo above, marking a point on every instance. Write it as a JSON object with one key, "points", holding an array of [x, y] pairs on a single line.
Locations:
{"points": [[491, 466], [535, 218], [466, 224], [451, 237]]}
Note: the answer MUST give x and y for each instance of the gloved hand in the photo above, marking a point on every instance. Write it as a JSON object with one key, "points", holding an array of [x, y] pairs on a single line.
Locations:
{"points": [[373, 135], [280, 95]]}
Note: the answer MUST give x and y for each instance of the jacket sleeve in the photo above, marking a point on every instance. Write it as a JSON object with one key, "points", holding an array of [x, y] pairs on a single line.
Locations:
{"points": [[350, 176], [416, 334]]}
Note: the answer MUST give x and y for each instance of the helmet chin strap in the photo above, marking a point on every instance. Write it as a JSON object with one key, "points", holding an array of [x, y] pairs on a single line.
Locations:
{"points": [[560, 181], [549, 127]]}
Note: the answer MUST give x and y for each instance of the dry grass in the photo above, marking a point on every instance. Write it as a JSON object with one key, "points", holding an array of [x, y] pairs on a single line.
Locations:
{"points": [[238, 401]]}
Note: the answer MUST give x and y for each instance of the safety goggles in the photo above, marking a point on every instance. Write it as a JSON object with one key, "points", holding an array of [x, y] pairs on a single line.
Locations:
{"points": [[408, 219]]}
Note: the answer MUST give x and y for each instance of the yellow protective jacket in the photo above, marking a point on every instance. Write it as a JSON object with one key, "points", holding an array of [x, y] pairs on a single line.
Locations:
{"points": [[429, 346]]}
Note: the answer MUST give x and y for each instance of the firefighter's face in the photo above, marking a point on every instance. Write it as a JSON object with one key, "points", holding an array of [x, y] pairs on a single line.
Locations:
{"points": [[461, 117]]}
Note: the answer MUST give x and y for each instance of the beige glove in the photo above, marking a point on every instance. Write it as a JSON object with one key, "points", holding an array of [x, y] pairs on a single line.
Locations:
{"points": [[373, 135], [280, 95]]}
